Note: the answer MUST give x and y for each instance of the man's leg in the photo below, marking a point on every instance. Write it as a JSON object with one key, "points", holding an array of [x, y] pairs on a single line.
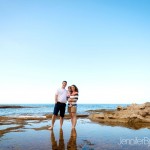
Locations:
{"points": [[55, 113], [53, 121], [61, 121], [62, 113]]}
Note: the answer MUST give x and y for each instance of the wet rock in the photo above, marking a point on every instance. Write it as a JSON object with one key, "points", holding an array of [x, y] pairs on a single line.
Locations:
{"points": [[129, 116]]}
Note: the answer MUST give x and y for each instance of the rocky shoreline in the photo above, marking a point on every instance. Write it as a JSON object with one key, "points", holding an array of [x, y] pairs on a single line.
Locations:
{"points": [[13, 123], [134, 116], [13, 106]]}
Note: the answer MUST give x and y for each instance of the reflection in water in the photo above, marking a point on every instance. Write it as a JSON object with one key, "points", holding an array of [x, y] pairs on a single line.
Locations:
{"points": [[61, 145], [71, 145]]}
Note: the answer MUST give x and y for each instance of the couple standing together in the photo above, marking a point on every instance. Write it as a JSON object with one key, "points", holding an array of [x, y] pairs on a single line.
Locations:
{"points": [[61, 97]]}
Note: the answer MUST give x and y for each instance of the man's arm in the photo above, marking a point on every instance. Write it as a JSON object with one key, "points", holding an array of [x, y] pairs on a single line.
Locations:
{"points": [[56, 99]]}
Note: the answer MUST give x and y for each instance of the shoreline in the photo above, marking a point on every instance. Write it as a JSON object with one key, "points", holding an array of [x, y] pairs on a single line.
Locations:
{"points": [[134, 116], [92, 131]]}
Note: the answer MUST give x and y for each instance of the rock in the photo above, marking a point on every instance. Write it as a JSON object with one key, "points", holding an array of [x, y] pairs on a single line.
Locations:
{"points": [[143, 113], [142, 106], [101, 116], [13, 106], [129, 116], [111, 117], [147, 104], [119, 108], [67, 116], [96, 117]]}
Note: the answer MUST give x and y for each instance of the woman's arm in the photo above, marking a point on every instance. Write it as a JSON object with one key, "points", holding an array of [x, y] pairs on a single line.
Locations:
{"points": [[72, 100]]}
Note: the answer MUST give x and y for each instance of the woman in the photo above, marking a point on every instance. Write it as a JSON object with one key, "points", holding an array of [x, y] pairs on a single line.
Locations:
{"points": [[72, 105]]}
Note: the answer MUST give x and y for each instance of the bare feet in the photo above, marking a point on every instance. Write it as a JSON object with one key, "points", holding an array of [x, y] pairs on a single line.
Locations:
{"points": [[50, 128]]}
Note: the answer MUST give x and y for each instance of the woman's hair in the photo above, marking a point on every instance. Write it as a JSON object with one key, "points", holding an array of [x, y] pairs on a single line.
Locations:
{"points": [[76, 89]]}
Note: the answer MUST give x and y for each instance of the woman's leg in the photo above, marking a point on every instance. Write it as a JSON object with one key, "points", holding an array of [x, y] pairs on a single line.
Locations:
{"points": [[69, 111], [74, 120], [71, 117]]}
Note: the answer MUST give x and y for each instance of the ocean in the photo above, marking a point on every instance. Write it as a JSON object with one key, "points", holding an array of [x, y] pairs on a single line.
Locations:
{"points": [[42, 109], [34, 134]]}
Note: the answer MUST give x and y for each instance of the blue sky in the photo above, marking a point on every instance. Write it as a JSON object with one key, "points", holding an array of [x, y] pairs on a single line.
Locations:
{"points": [[102, 46]]}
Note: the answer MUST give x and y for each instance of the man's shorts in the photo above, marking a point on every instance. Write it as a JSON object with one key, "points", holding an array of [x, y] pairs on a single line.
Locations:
{"points": [[59, 107]]}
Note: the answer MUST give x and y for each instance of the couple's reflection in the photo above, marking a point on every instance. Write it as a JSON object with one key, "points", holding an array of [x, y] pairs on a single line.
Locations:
{"points": [[71, 145]]}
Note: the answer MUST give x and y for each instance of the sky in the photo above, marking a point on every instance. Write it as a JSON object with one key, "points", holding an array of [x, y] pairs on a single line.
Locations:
{"points": [[101, 46]]}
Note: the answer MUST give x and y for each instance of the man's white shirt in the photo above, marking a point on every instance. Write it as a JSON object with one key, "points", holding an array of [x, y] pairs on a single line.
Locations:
{"points": [[62, 95]]}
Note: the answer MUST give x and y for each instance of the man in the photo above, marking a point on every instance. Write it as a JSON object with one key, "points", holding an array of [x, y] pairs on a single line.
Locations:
{"points": [[60, 104]]}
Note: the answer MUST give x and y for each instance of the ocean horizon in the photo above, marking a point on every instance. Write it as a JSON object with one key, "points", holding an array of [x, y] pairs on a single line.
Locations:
{"points": [[43, 109]]}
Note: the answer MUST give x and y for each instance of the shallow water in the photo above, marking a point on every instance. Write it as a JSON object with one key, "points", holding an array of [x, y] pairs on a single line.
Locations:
{"points": [[88, 135], [42, 109]]}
